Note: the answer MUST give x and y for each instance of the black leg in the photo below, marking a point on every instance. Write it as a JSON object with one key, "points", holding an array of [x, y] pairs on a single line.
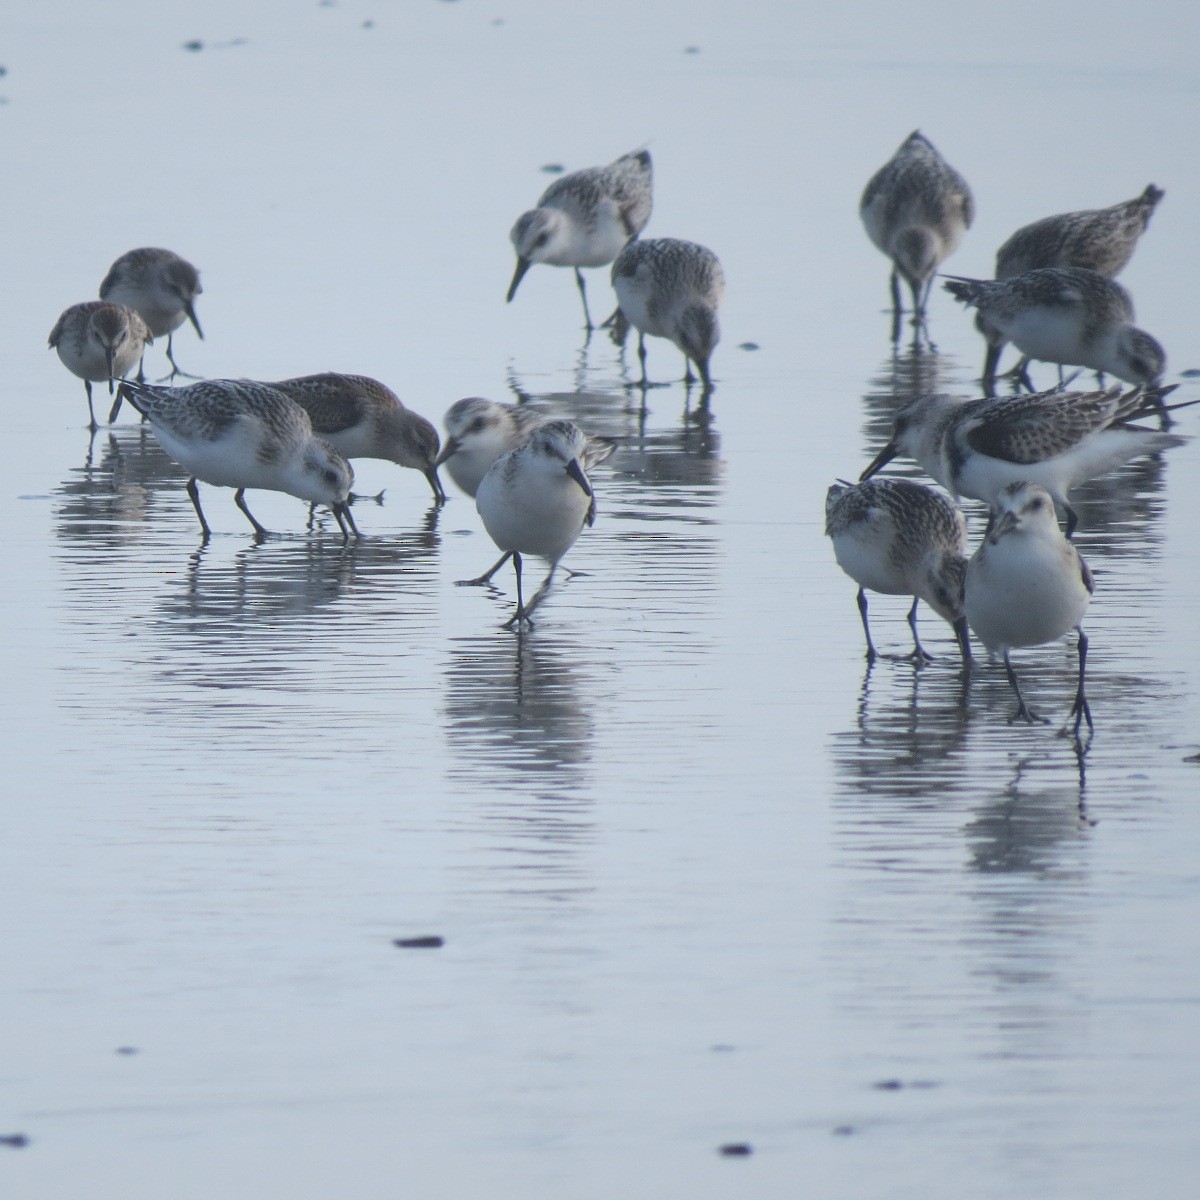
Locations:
{"points": [[587, 316], [1023, 375], [919, 654], [990, 360], [485, 578], [1025, 713], [1081, 710], [519, 615], [239, 498], [641, 357], [194, 492], [1072, 521], [895, 285], [87, 385], [862, 612]]}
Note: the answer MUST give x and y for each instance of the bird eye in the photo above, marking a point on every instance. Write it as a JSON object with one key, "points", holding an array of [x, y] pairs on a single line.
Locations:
{"points": [[477, 425]]}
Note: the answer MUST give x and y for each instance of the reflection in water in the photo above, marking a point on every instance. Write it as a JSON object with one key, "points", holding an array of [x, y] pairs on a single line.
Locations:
{"points": [[520, 737], [108, 500]]}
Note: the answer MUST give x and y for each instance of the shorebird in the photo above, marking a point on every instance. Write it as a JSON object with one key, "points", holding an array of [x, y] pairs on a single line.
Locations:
{"points": [[241, 434], [536, 499], [916, 209], [361, 418], [901, 538], [1065, 315], [1027, 585], [479, 431], [584, 218], [1096, 239], [159, 285], [1056, 439], [671, 289], [97, 340]]}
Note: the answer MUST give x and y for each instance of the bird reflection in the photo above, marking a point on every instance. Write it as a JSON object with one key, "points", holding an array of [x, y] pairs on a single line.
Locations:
{"points": [[108, 500], [910, 728], [514, 718], [903, 377]]}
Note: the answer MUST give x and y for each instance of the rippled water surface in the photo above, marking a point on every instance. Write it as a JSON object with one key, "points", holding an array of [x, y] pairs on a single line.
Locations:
{"points": [[702, 877]]}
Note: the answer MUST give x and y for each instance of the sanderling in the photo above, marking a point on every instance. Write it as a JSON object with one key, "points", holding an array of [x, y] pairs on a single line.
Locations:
{"points": [[1097, 239], [241, 434], [97, 340], [536, 499], [1055, 439], [584, 218], [901, 538], [916, 209], [1064, 315], [1026, 585], [361, 418], [671, 289], [159, 285], [479, 431]]}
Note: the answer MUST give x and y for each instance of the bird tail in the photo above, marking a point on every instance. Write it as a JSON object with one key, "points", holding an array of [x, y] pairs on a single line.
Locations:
{"points": [[969, 291], [135, 393]]}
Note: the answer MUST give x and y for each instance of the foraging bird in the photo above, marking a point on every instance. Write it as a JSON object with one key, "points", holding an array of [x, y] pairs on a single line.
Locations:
{"points": [[241, 434], [1057, 439], [479, 431], [361, 418], [901, 538], [1096, 239], [1065, 315], [159, 285], [671, 289], [916, 208], [584, 219], [97, 340], [536, 499], [1027, 585]]}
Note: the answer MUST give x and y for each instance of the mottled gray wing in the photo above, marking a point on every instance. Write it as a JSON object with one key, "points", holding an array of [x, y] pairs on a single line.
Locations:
{"points": [[1028, 429]]}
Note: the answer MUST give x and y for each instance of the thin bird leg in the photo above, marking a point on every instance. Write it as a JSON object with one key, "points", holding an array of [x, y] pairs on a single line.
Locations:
{"points": [[540, 594], [587, 316], [175, 368], [917, 301], [341, 513], [1072, 520], [688, 377], [919, 654], [87, 384], [487, 576], [194, 492], [519, 615], [239, 498], [1081, 710], [641, 359], [1023, 375], [1025, 713], [990, 359], [862, 612], [895, 285]]}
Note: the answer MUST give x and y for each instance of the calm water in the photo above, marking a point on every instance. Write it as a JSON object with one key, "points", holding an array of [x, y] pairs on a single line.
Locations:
{"points": [[702, 876]]}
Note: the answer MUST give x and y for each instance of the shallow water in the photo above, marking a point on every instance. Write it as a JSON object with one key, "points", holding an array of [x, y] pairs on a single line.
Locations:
{"points": [[702, 876]]}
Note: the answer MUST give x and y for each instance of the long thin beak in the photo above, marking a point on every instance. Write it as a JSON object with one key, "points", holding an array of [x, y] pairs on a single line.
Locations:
{"points": [[191, 314], [439, 492], [108, 358], [576, 473], [1006, 524], [449, 450], [523, 265], [880, 461]]}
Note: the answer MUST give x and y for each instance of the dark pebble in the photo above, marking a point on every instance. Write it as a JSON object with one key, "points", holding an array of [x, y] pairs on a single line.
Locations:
{"points": [[736, 1149], [843, 1130], [1190, 373], [747, 345], [127, 1050], [17, 1140], [194, 46], [368, 24], [888, 1085], [553, 169], [419, 943], [691, 49], [722, 1048]]}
